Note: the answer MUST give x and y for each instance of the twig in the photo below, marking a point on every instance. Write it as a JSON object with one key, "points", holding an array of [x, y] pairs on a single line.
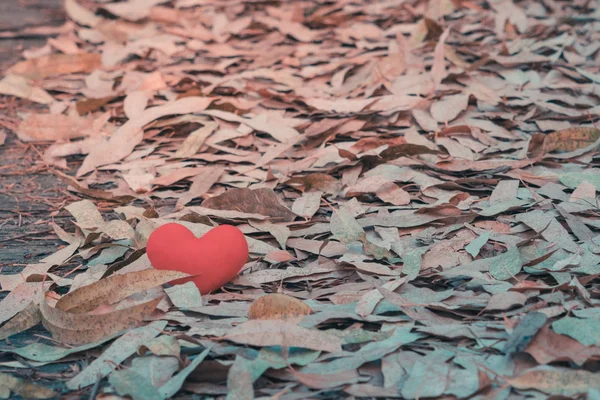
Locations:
{"points": [[25, 235], [95, 388]]}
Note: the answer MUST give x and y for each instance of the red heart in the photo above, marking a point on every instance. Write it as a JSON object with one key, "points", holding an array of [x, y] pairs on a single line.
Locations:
{"points": [[217, 257]]}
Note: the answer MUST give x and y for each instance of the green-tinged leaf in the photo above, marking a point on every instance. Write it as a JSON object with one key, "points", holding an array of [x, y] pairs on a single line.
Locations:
{"points": [[185, 295], [344, 226], [239, 380], [506, 265], [428, 376], [174, 384], [573, 179], [164, 345], [42, 352], [274, 358], [476, 244], [128, 382], [502, 207], [158, 369], [525, 331], [369, 352], [413, 259], [115, 354], [586, 331]]}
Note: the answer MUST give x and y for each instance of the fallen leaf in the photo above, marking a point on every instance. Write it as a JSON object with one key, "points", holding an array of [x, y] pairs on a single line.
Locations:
{"points": [[114, 288], [556, 381], [27, 318], [123, 141], [258, 201], [54, 127], [438, 70], [10, 384], [321, 182], [201, 184], [277, 306], [14, 85], [548, 346], [279, 333], [307, 205], [57, 64], [118, 351], [584, 330], [76, 329], [449, 107], [81, 14]]}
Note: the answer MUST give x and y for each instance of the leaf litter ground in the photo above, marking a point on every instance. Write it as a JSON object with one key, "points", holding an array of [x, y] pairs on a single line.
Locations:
{"points": [[417, 182]]}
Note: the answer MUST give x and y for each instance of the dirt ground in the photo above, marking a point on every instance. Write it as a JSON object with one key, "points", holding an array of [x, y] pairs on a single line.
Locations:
{"points": [[28, 193]]}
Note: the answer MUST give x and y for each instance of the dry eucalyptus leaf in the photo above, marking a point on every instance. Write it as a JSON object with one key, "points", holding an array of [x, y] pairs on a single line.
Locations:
{"points": [[277, 306], [258, 201], [279, 333], [78, 328], [57, 64], [14, 85]]}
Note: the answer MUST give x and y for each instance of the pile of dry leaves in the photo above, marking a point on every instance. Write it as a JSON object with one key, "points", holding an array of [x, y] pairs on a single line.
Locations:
{"points": [[421, 175]]}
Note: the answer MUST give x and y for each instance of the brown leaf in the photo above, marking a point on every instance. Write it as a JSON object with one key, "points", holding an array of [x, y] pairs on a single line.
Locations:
{"points": [[557, 381], [307, 205], [76, 329], [25, 319], [124, 140], [322, 182], [571, 139], [81, 14], [85, 106], [280, 333], [115, 288], [195, 140], [201, 184], [24, 389], [438, 70], [262, 201], [53, 127], [277, 306], [14, 85], [177, 175], [19, 299], [57, 64], [94, 193], [548, 346], [327, 381]]}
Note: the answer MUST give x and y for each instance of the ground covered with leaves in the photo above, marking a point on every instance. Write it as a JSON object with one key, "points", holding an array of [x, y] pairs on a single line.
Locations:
{"points": [[417, 182]]}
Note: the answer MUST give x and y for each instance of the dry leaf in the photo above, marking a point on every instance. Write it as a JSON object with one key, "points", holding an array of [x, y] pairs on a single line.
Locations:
{"points": [[25, 390], [53, 127], [438, 71], [123, 141], [14, 85], [57, 64], [115, 288], [201, 184], [571, 139], [556, 381], [449, 107], [259, 201], [76, 329], [277, 306], [279, 333], [27, 318]]}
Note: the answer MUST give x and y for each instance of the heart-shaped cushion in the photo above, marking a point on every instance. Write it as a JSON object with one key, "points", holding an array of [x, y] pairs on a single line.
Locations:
{"points": [[217, 257]]}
